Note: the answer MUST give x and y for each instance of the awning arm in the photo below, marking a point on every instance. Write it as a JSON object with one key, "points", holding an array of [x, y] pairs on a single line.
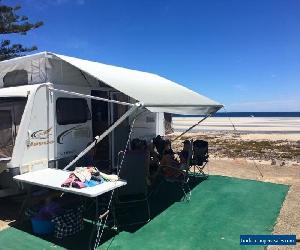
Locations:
{"points": [[181, 105], [91, 97], [5, 159], [104, 134], [190, 128]]}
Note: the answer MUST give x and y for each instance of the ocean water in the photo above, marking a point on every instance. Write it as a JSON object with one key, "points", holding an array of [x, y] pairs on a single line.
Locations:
{"points": [[249, 114]]}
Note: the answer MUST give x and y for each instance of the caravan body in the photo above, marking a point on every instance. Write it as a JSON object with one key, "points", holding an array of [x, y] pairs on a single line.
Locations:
{"points": [[41, 128]]}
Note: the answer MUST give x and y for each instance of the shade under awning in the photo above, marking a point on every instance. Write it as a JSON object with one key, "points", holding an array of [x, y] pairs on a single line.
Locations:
{"points": [[158, 94]]}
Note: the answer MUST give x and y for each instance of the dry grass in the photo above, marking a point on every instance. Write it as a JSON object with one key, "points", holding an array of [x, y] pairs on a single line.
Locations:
{"points": [[231, 145]]}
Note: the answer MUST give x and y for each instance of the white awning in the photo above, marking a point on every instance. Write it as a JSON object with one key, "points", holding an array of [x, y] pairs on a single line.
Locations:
{"points": [[158, 94]]}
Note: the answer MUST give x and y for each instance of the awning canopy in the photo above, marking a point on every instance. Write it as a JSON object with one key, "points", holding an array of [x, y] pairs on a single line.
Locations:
{"points": [[157, 93]]}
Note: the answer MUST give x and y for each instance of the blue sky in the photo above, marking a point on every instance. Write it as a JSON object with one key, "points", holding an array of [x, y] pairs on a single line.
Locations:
{"points": [[244, 54]]}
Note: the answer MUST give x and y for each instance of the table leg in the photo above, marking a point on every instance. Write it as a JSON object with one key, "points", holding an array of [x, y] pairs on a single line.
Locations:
{"points": [[113, 207], [98, 219], [24, 205], [95, 223]]}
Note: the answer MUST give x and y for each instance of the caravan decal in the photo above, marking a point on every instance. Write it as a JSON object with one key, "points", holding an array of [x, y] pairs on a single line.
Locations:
{"points": [[40, 143], [41, 134], [40, 138], [80, 128]]}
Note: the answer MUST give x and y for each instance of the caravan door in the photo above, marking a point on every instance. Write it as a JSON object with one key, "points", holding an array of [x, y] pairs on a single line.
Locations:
{"points": [[11, 111], [120, 134], [100, 123]]}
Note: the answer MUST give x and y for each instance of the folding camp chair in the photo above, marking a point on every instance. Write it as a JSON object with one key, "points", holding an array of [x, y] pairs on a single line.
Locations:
{"points": [[199, 158], [133, 171], [181, 176]]}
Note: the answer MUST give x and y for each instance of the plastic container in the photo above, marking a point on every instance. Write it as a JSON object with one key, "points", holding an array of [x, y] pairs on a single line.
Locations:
{"points": [[43, 227]]}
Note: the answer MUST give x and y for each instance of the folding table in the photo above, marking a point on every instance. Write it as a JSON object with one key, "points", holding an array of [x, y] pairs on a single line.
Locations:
{"points": [[53, 178]]}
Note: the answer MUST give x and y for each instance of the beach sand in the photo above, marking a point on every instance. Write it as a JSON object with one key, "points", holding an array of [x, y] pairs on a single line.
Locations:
{"points": [[264, 139], [267, 125]]}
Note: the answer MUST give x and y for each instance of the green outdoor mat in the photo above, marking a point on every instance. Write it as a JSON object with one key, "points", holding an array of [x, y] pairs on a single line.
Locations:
{"points": [[221, 208]]}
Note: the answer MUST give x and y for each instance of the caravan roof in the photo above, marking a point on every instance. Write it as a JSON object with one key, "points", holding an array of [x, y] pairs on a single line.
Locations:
{"points": [[157, 93]]}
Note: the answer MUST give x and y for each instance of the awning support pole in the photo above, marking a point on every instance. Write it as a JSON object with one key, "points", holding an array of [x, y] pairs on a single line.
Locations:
{"points": [[104, 134], [91, 97], [190, 128]]}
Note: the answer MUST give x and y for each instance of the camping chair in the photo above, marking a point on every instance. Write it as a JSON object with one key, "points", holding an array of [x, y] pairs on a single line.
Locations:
{"points": [[133, 170], [200, 158], [182, 179]]}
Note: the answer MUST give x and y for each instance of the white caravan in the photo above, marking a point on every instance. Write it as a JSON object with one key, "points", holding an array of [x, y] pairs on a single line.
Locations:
{"points": [[49, 112]]}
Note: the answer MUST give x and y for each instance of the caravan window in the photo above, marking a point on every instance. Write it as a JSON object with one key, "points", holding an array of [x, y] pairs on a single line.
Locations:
{"points": [[72, 111], [15, 78], [11, 111]]}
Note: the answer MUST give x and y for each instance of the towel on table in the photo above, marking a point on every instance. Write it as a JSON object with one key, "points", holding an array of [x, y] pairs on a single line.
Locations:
{"points": [[87, 177]]}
